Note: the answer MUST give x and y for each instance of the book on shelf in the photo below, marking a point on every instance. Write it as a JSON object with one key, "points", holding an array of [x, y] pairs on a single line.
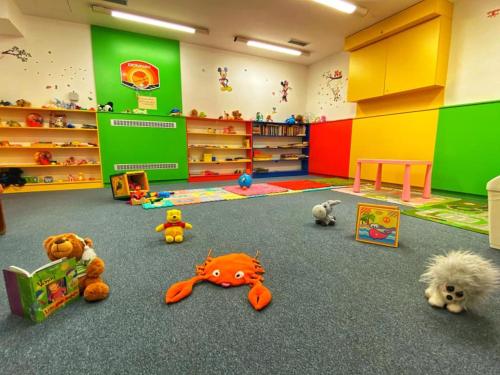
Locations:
{"points": [[279, 130], [38, 294]]}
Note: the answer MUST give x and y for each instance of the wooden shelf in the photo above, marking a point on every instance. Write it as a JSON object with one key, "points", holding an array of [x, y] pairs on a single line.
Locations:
{"points": [[221, 161], [64, 182], [47, 129], [296, 159], [212, 119], [52, 186], [278, 147], [47, 109], [219, 148], [47, 166], [50, 148], [280, 136], [227, 135]]}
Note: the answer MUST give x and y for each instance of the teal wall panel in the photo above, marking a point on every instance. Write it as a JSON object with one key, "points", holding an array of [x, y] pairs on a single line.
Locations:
{"points": [[466, 154]]}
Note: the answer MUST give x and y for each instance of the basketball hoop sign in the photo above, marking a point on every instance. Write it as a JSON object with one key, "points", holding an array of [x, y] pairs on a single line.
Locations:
{"points": [[140, 75]]}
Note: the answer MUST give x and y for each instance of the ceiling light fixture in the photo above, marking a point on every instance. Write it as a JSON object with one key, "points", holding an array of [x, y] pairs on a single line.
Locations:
{"points": [[270, 47], [343, 6], [149, 21]]}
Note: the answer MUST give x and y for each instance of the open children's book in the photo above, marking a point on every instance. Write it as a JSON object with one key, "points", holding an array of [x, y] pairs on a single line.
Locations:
{"points": [[38, 294]]}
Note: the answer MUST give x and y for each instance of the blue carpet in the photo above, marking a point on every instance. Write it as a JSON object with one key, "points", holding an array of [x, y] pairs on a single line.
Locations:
{"points": [[339, 306]]}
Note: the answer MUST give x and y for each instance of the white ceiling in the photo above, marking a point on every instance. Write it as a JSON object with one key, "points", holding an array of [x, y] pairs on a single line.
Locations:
{"points": [[275, 21]]}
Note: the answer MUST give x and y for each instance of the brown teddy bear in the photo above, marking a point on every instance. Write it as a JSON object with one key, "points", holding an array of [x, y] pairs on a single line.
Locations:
{"points": [[89, 267]]}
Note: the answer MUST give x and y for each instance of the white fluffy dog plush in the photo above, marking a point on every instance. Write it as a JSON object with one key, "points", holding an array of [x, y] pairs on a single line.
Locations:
{"points": [[459, 280]]}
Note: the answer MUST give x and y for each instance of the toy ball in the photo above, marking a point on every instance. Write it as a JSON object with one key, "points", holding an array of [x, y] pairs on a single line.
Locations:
{"points": [[245, 181]]}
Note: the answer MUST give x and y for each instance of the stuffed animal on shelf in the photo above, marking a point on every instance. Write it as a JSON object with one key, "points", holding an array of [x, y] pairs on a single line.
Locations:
{"points": [[193, 113], [12, 176], [323, 213], [174, 226], [175, 112], [237, 115], [89, 267], [459, 280], [43, 157], [290, 120], [108, 107], [23, 103], [259, 117], [226, 270], [202, 115]]}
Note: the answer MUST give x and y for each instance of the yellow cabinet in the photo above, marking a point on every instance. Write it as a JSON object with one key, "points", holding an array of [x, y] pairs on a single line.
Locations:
{"points": [[412, 58], [367, 72]]}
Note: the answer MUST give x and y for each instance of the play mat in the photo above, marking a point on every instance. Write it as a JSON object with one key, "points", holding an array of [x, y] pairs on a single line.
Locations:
{"points": [[460, 213]]}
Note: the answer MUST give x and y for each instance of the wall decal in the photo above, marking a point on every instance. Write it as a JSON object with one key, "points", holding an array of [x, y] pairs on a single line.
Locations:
{"points": [[285, 87], [223, 80], [332, 88], [493, 13], [15, 51], [139, 75]]}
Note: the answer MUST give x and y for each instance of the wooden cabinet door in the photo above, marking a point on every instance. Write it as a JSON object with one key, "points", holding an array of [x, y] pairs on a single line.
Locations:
{"points": [[367, 72]]}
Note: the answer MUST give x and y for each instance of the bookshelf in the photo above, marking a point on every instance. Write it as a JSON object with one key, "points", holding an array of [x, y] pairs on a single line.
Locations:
{"points": [[218, 149], [280, 149], [19, 143]]}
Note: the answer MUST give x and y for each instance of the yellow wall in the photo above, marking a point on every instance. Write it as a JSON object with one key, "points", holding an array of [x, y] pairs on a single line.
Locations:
{"points": [[399, 136]]}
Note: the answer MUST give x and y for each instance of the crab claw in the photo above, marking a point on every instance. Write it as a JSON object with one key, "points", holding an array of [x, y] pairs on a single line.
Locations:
{"points": [[178, 291], [259, 296]]}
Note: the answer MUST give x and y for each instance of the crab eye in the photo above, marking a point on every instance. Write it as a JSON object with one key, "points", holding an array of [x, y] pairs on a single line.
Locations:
{"points": [[459, 294], [216, 273], [239, 274], [450, 288]]}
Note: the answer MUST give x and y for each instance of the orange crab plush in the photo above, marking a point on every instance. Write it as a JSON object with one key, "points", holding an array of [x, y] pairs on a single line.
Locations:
{"points": [[226, 270]]}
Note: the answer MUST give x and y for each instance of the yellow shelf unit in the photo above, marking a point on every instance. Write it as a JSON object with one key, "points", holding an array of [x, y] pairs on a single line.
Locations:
{"points": [[64, 177], [221, 161]]}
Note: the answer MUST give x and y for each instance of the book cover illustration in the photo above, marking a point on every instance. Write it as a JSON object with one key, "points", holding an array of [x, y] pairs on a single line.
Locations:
{"points": [[378, 224], [38, 294]]}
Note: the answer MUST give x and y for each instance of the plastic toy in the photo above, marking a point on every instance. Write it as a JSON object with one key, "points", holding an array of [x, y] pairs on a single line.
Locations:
{"points": [[13, 124], [245, 181], [269, 118], [23, 103], [123, 184], [57, 121], [290, 120], [137, 197], [323, 213], [81, 177], [174, 227], [237, 115], [459, 280], [259, 117], [175, 112], [34, 120], [299, 119], [202, 115], [108, 107], [43, 157], [70, 161], [226, 271], [193, 113], [48, 179], [5, 103], [12, 176], [89, 268]]}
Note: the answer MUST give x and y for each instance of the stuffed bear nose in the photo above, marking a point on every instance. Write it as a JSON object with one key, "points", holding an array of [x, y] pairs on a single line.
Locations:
{"points": [[59, 241], [449, 298]]}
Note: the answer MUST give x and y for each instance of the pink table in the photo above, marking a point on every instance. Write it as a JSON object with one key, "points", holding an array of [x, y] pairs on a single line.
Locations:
{"points": [[406, 182]]}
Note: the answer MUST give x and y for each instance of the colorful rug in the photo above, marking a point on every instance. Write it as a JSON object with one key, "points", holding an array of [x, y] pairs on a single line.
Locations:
{"points": [[335, 181], [460, 213], [392, 195], [300, 184], [194, 196], [255, 190]]}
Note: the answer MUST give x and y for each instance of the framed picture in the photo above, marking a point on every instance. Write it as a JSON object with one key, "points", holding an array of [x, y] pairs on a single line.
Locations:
{"points": [[378, 224]]}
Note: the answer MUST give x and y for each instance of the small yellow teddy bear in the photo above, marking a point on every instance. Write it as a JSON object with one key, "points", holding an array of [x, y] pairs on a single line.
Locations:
{"points": [[174, 227]]}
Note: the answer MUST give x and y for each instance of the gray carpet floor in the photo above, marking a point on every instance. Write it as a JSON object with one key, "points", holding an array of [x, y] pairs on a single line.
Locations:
{"points": [[339, 306]]}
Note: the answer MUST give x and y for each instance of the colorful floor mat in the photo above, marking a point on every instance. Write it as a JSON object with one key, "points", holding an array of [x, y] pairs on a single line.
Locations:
{"points": [[460, 213], [194, 196], [300, 184], [392, 195], [255, 189], [335, 181]]}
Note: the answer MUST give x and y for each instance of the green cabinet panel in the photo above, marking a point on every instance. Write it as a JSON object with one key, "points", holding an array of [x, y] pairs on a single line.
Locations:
{"points": [[143, 145], [466, 153]]}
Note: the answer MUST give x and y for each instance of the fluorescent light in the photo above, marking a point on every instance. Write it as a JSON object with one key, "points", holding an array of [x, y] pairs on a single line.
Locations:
{"points": [[340, 5], [152, 21], [272, 47]]}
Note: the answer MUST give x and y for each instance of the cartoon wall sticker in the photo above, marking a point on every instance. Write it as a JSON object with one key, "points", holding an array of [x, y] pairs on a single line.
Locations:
{"points": [[493, 13], [21, 54], [223, 80], [285, 87], [332, 89]]}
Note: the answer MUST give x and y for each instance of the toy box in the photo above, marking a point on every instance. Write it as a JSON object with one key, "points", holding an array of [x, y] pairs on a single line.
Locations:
{"points": [[124, 184], [38, 294]]}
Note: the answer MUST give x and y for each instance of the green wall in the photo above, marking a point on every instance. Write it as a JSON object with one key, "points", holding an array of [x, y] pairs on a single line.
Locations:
{"points": [[138, 145], [466, 155]]}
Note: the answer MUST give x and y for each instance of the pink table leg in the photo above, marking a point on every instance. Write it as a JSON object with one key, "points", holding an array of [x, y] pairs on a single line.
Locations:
{"points": [[357, 178], [378, 181], [406, 184], [427, 184]]}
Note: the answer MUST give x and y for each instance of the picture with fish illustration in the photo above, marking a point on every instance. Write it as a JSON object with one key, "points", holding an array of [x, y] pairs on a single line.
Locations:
{"points": [[377, 224]]}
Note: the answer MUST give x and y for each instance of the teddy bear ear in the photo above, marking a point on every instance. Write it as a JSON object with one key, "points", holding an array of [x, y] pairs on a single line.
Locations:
{"points": [[89, 242], [48, 242]]}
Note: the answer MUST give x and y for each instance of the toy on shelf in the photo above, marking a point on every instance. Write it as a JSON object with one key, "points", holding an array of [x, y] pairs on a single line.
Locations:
{"points": [[229, 130], [202, 115], [259, 117], [12, 176], [123, 184], [57, 121], [459, 280], [323, 213], [70, 161], [299, 119], [290, 120], [175, 112], [237, 115], [108, 107], [43, 157], [227, 270], [174, 227], [245, 181], [269, 118], [5, 103], [13, 124], [23, 103], [48, 179], [71, 178], [81, 177], [89, 266], [139, 111], [193, 113], [34, 120]]}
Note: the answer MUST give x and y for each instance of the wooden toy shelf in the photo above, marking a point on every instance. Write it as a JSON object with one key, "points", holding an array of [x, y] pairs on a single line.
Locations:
{"points": [[211, 142], [20, 143], [280, 149]]}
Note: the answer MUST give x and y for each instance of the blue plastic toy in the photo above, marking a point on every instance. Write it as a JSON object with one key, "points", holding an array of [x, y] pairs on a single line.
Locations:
{"points": [[290, 120], [245, 181]]}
